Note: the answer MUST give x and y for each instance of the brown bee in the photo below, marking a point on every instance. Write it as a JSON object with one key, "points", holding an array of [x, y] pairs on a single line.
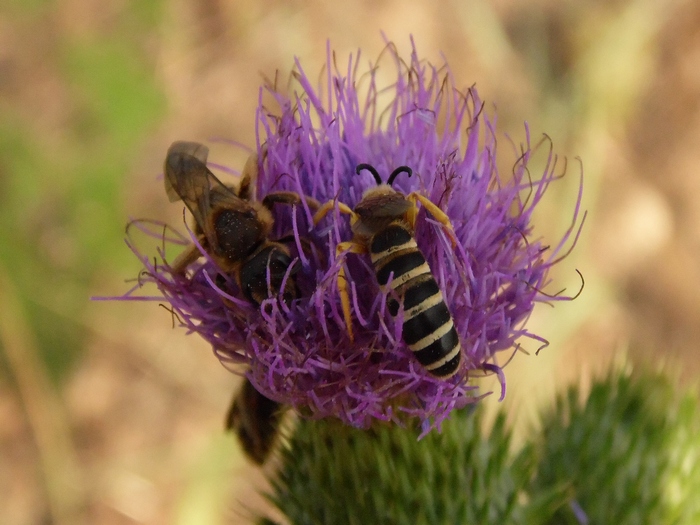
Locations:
{"points": [[256, 420], [232, 226], [383, 224], [234, 229]]}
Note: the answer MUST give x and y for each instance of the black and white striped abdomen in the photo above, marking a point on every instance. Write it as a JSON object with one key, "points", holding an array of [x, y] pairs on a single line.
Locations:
{"points": [[428, 328]]}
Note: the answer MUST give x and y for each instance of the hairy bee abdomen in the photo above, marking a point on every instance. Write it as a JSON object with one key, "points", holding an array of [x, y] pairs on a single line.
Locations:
{"points": [[428, 328]]}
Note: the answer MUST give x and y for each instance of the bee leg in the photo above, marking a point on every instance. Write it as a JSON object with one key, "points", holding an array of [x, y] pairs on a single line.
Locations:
{"points": [[330, 205], [343, 248], [436, 212], [190, 255], [288, 197], [249, 174]]}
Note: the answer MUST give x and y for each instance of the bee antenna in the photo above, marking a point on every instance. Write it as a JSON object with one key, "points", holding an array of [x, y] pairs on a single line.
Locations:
{"points": [[371, 169], [400, 169]]}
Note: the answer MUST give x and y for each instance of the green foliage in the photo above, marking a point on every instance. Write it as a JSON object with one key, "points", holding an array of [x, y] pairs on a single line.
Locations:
{"points": [[627, 454], [115, 90], [616, 455], [25, 7], [332, 473], [61, 210], [683, 478]]}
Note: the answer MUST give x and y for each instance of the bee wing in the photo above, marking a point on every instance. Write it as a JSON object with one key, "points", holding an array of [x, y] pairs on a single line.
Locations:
{"points": [[181, 160], [187, 178]]}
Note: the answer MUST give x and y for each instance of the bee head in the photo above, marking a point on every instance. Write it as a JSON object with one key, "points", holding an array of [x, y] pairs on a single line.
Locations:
{"points": [[382, 189], [381, 205]]}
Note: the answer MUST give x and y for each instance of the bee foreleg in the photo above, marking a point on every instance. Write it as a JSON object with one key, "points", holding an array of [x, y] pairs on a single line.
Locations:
{"points": [[288, 197], [343, 248], [328, 206], [436, 212], [249, 175]]}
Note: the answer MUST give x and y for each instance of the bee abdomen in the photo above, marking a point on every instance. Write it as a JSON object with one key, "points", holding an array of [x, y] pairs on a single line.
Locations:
{"points": [[394, 251], [406, 266], [254, 275], [432, 338], [428, 328]]}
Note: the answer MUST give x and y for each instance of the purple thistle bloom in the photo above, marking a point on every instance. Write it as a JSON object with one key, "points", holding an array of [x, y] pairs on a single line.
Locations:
{"points": [[300, 354]]}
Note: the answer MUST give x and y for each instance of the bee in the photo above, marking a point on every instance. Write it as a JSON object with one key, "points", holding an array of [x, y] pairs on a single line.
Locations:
{"points": [[256, 420], [383, 224], [234, 228]]}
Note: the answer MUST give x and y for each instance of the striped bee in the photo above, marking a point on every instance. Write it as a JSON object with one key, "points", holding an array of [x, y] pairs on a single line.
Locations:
{"points": [[234, 228], [383, 225]]}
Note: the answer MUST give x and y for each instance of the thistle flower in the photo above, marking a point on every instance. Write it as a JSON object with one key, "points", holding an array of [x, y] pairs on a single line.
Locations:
{"points": [[491, 274]]}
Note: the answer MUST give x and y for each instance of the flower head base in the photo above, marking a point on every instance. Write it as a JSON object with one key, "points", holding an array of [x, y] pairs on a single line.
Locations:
{"points": [[491, 273]]}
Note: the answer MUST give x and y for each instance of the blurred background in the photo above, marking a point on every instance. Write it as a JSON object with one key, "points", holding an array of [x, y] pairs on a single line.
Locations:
{"points": [[107, 414]]}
